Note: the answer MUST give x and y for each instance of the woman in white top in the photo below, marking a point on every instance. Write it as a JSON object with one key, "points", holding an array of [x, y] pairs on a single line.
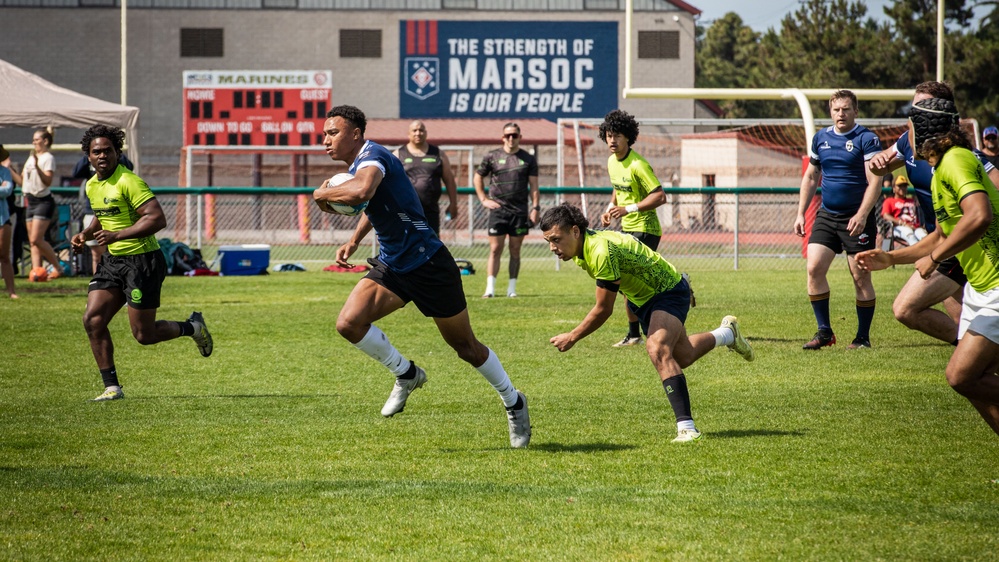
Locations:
{"points": [[36, 179]]}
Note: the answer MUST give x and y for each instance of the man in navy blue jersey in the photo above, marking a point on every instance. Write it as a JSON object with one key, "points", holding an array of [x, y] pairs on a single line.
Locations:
{"points": [[914, 304], [413, 265], [845, 221]]}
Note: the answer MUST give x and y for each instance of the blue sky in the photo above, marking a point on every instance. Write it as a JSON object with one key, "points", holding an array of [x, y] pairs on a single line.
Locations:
{"points": [[763, 14]]}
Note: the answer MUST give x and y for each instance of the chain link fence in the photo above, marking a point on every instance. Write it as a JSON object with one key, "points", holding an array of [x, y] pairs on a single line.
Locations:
{"points": [[751, 227], [732, 195]]}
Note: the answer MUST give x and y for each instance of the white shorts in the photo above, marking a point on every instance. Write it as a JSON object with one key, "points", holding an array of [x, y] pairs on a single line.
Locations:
{"points": [[980, 313]]}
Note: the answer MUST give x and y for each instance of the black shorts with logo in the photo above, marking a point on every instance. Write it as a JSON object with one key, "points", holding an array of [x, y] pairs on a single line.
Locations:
{"points": [[139, 277], [830, 230], [504, 222], [952, 269], [435, 287], [43, 208]]}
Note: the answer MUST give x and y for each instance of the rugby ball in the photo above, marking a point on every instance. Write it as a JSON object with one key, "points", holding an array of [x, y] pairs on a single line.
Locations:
{"points": [[340, 208]]}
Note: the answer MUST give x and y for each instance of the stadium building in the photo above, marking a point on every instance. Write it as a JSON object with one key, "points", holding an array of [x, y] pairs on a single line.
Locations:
{"points": [[396, 59]]}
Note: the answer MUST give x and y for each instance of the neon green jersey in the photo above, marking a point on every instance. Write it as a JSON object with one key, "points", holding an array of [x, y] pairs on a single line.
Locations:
{"points": [[615, 256], [633, 179], [959, 174], [114, 201]]}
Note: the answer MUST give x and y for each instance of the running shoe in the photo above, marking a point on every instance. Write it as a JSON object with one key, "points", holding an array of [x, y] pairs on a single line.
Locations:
{"points": [[110, 394], [687, 436], [202, 338], [629, 341], [400, 392], [820, 340], [859, 343], [740, 345], [520, 424]]}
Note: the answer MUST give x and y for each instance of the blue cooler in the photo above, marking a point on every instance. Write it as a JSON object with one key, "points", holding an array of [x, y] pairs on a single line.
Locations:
{"points": [[245, 259]]}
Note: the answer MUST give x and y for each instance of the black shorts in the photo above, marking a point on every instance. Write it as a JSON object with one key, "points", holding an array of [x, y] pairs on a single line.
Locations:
{"points": [[139, 277], [433, 214], [830, 230], [435, 287], [504, 222], [952, 269], [43, 208], [649, 240], [675, 301]]}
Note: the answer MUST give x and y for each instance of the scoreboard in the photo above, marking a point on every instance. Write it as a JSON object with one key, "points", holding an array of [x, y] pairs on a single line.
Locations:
{"points": [[256, 108]]}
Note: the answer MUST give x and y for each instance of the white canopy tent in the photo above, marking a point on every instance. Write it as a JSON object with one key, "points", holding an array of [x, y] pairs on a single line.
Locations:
{"points": [[31, 101]]}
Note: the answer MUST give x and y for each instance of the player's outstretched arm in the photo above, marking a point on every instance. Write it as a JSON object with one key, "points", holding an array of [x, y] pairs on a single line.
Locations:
{"points": [[599, 314]]}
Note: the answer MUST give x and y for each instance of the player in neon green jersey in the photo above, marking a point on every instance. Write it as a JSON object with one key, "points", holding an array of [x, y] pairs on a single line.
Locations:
{"points": [[128, 217], [637, 193], [656, 293], [966, 205]]}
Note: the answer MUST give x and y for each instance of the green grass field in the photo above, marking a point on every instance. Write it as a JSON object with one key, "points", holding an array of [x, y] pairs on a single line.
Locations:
{"points": [[274, 447]]}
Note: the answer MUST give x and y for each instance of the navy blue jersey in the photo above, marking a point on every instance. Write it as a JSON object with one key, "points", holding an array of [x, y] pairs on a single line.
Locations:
{"points": [[920, 175], [396, 213], [842, 158]]}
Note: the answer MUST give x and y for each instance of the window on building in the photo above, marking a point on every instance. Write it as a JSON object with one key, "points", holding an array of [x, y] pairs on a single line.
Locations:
{"points": [[658, 44], [201, 42], [600, 5], [361, 43], [459, 4]]}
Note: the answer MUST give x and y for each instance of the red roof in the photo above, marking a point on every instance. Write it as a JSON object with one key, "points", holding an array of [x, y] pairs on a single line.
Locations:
{"points": [[392, 132]]}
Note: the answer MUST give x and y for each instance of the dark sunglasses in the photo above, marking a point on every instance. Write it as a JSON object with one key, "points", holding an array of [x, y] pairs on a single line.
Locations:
{"points": [[512, 136]]}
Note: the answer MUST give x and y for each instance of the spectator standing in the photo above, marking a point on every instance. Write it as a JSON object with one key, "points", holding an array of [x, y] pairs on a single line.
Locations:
{"points": [[6, 189], [846, 220], [428, 167], [513, 202], [36, 180]]}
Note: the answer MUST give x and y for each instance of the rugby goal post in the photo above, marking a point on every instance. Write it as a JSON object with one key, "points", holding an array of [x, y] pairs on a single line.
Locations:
{"points": [[799, 95]]}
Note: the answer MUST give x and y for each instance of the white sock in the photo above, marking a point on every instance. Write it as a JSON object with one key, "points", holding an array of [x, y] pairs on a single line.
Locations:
{"points": [[491, 285], [493, 370], [511, 288], [114, 387], [723, 336], [685, 424], [376, 345]]}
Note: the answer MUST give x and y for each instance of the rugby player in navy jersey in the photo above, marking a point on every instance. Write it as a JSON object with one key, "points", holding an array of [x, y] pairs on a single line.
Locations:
{"points": [[914, 304], [413, 265], [845, 221]]}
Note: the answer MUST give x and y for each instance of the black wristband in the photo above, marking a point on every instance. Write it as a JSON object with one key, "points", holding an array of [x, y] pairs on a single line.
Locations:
{"points": [[537, 207], [935, 261]]}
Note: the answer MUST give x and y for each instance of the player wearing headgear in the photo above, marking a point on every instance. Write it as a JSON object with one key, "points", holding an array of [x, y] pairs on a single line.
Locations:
{"points": [[914, 305], [845, 221], [966, 206]]}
